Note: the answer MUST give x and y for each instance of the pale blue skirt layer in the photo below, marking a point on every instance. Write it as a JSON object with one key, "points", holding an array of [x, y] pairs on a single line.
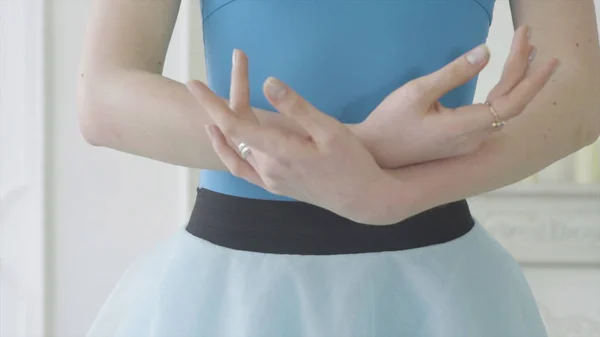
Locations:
{"points": [[188, 287]]}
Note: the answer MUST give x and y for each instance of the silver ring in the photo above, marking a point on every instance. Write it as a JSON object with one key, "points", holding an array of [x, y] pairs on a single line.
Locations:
{"points": [[244, 150], [498, 124]]}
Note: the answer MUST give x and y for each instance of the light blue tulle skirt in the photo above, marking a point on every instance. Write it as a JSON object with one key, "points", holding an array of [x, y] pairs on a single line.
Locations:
{"points": [[188, 287]]}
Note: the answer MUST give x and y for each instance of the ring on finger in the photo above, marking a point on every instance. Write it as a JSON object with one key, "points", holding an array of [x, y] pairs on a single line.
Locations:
{"points": [[498, 124], [244, 150]]}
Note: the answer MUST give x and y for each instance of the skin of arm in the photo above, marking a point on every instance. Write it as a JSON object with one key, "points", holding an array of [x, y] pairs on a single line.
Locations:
{"points": [[562, 119], [125, 103]]}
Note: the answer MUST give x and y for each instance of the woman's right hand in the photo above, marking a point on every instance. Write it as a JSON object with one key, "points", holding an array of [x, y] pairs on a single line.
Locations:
{"points": [[325, 164], [411, 126]]}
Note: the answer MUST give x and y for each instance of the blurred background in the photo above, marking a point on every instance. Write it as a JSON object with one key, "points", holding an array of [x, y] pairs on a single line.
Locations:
{"points": [[73, 217]]}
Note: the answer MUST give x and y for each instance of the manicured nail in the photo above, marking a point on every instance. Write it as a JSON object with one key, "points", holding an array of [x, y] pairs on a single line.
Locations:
{"points": [[532, 54], [234, 56], [478, 55], [210, 133], [275, 88]]}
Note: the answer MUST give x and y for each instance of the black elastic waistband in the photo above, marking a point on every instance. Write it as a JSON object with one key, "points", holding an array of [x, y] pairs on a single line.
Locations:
{"points": [[284, 227]]}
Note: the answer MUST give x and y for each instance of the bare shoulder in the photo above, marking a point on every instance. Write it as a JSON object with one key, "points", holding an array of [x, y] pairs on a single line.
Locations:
{"points": [[129, 34], [566, 29]]}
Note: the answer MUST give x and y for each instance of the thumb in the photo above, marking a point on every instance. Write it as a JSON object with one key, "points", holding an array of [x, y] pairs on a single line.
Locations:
{"points": [[455, 74]]}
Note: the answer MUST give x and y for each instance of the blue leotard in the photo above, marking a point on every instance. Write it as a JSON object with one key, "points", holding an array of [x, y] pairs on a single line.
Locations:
{"points": [[344, 56]]}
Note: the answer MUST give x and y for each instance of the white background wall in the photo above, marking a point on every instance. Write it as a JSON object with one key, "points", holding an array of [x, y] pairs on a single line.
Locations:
{"points": [[105, 208]]}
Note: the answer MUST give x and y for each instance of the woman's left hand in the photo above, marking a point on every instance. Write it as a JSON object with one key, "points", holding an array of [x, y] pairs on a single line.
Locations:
{"points": [[330, 168], [411, 126]]}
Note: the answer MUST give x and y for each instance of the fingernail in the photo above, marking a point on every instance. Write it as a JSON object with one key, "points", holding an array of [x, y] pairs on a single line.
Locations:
{"points": [[234, 56], [275, 88], [529, 32], [209, 131], [478, 55], [532, 54]]}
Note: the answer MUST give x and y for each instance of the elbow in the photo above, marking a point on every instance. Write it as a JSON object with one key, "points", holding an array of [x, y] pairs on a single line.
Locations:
{"points": [[594, 123], [91, 120], [583, 135], [593, 135], [591, 126], [587, 133], [89, 126]]}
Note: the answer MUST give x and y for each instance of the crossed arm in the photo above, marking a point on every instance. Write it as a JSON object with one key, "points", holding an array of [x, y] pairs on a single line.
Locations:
{"points": [[563, 118], [125, 103]]}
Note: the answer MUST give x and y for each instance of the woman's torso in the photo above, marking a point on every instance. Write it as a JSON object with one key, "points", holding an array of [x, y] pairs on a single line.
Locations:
{"points": [[344, 56]]}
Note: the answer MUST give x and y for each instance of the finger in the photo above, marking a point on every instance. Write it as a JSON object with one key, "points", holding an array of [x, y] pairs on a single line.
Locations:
{"points": [[239, 94], [516, 100], [479, 117], [317, 124], [230, 157], [275, 142], [454, 74], [517, 63], [219, 111], [464, 120]]}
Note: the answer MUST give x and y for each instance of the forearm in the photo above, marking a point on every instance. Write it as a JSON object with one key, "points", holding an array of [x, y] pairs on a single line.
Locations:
{"points": [[561, 120], [148, 115]]}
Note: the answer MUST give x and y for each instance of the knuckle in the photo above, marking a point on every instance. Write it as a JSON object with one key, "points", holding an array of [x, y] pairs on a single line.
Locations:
{"points": [[271, 170], [522, 51], [459, 70], [229, 129], [418, 87], [456, 69], [333, 137], [527, 83], [540, 81], [294, 102], [510, 110], [239, 108], [501, 88], [515, 111], [453, 131]]}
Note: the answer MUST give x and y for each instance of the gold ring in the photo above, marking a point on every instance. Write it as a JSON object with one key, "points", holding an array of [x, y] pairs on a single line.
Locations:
{"points": [[498, 124]]}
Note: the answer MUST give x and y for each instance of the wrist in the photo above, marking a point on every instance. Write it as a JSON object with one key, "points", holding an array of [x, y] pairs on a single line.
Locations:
{"points": [[386, 201], [358, 129], [361, 131]]}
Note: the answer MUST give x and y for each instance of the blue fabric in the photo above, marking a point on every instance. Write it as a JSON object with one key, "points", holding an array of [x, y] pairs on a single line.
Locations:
{"points": [[344, 56], [188, 287]]}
